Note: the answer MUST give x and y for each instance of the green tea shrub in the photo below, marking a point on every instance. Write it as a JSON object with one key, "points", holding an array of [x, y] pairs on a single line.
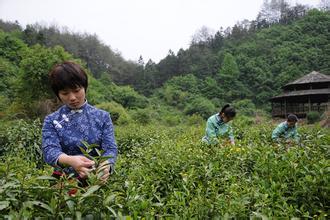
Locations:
{"points": [[141, 116], [313, 117], [201, 106], [23, 138], [195, 119], [128, 97], [117, 112], [245, 107]]}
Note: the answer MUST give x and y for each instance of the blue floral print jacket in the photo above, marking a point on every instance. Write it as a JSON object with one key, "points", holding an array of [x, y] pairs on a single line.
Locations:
{"points": [[64, 130]]}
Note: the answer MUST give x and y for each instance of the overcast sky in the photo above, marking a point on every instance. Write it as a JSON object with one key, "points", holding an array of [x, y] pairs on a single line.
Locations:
{"points": [[136, 27]]}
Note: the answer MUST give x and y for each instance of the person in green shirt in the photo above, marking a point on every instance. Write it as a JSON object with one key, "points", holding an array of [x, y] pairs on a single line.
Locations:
{"points": [[217, 126], [287, 130]]}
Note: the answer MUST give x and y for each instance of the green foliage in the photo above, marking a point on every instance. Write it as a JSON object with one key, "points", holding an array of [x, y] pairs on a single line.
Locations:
{"points": [[211, 89], [33, 84], [200, 106], [187, 83], [142, 116], [174, 97], [22, 138], [11, 48], [118, 113], [245, 107], [313, 117], [99, 57], [34, 69], [250, 61], [128, 97], [8, 75], [98, 92], [172, 119], [229, 70], [4, 102], [167, 172], [195, 120]]}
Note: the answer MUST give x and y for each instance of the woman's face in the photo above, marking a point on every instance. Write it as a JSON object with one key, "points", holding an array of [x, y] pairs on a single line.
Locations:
{"points": [[73, 98], [225, 119], [291, 124]]}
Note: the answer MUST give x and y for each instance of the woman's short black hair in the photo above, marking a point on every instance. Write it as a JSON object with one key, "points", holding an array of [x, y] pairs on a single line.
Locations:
{"points": [[228, 111], [292, 118], [67, 75]]}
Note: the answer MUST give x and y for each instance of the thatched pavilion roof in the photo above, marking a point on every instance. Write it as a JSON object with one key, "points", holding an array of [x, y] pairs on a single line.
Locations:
{"points": [[311, 78]]}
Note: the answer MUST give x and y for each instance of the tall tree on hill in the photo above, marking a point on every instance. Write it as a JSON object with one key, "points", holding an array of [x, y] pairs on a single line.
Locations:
{"points": [[228, 78], [99, 57], [324, 5], [271, 12], [228, 75], [167, 67], [202, 36], [10, 26], [217, 41]]}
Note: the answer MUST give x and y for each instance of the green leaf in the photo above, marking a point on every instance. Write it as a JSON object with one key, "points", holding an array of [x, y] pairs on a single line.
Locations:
{"points": [[40, 204], [112, 211], [83, 151], [4, 204], [46, 178], [71, 204], [90, 191], [109, 199], [98, 152], [78, 215]]}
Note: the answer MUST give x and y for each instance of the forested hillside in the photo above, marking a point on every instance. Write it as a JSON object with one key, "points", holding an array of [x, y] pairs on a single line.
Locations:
{"points": [[245, 65]]}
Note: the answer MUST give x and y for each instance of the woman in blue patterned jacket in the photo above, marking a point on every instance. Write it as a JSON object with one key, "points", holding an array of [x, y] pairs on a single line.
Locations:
{"points": [[217, 126], [76, 121]]}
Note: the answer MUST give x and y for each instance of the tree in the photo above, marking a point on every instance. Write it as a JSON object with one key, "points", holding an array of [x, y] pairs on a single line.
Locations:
{"points": [[217, 41], [202, 36], [146, 80], [228, 79], [324, 5], [201, 106], [11, 48], [229, 70], [272, 11], [128, 97], [33, 84], [140, 61], [8, 26]]}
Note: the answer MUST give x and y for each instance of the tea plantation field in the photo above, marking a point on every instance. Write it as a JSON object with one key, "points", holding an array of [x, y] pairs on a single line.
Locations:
{"points": [[166, 172]]}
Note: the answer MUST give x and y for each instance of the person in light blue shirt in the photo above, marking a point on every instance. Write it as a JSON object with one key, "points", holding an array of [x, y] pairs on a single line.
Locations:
{"points": [[65, 130], [217, 126], [287, 130]]}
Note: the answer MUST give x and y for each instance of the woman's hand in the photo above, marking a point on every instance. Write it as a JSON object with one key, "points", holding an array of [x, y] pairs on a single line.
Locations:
{"points": [[104, 167], [81, 164]]}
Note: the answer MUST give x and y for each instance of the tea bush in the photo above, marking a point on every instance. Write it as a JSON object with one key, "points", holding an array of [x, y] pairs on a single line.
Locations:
{"points": [[313, 117], [22, 138], [166, 172]]}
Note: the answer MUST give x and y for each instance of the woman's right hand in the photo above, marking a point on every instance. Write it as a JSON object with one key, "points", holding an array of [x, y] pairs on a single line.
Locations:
{"points": [[81, 164]]}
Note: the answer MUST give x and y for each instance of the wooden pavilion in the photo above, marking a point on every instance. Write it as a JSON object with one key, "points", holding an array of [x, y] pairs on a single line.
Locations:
{"points": [[308, 93]]}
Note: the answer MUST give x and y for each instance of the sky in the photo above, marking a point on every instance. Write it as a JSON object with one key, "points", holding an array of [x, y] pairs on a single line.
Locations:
{"points": [[149, 28]]}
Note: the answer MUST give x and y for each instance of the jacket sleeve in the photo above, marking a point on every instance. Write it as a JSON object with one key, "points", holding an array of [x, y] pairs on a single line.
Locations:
{"points": [[295, 134], [210, 132], [108, 140], [231, 134], [277, 132], [51, 146]]}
